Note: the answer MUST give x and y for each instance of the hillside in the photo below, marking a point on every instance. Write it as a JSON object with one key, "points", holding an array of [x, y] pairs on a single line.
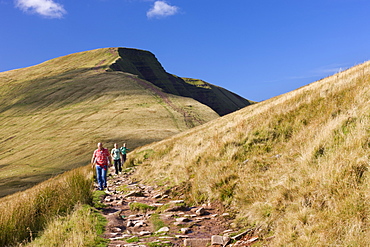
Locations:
{"points": [[296, 165], [53, 114]]}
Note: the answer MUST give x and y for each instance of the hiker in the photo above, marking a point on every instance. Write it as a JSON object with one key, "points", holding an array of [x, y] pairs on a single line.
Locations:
{"points": [[101, 160], [116, 157], [124, 150]]}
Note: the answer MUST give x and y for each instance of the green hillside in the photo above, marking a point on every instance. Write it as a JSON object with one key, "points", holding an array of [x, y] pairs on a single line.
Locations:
{"points": [[296, 166], [53, 114]]}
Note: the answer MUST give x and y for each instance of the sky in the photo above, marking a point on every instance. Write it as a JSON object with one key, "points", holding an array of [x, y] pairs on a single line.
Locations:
{"points": [[255, 48]]}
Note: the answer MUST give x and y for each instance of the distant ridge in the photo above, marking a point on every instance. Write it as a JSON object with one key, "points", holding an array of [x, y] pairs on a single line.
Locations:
{"points": [[146, 66]]}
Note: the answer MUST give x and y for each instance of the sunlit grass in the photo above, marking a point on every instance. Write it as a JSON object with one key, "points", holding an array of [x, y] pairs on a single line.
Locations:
{"points": [[297, 164]]}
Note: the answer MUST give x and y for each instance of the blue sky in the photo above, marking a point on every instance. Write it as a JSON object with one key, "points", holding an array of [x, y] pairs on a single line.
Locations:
{"points": [[258, 49]]}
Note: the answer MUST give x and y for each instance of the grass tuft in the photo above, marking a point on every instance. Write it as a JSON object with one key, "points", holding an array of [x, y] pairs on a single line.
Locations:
{"points": [[156, 222], [141, 207]]}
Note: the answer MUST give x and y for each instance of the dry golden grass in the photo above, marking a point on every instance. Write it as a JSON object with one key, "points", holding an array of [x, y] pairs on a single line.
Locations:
{"points": [[53, 114], [296, 164], [24, 214]]}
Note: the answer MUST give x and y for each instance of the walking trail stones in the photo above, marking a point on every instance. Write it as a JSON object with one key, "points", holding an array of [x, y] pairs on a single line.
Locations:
{"points": [[139, 215]]}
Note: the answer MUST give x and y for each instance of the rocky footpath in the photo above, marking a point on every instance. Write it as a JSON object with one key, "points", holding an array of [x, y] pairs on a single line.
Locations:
{"points": [[140, 215]]}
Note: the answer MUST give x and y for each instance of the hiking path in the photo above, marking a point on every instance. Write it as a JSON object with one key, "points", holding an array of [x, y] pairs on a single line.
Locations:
{"points": [[140, 216]]}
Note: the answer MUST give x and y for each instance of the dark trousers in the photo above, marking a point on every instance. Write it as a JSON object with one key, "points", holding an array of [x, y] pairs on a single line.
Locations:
{"points": [[117, 165]]}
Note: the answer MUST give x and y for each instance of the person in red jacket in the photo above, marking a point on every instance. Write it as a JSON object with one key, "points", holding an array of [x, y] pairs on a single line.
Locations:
{"points": [[101, 160]]}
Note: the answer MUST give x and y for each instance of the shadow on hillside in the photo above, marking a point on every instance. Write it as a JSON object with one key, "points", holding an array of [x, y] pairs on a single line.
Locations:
{"points": [[13, 184]]}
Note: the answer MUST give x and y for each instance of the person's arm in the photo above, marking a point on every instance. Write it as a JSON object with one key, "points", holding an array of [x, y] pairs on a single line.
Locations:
{"points": [[109, 161], [108, 158], [93, 158]]}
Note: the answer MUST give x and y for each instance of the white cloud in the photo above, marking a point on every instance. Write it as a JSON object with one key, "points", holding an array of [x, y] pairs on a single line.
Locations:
{"points": [[161, 9], [46, 8]]}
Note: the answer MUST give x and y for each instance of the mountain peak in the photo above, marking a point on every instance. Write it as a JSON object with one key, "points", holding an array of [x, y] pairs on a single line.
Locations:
{"points": [[147, 67]]}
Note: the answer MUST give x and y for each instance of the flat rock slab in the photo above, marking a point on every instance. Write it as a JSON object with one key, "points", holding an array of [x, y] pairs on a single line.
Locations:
{"points": [[197, 242]]}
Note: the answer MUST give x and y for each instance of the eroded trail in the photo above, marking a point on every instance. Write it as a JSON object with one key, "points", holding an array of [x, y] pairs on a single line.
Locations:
{"points": [[140, 215]]}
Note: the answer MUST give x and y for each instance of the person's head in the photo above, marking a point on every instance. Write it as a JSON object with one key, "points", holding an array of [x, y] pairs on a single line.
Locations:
{"points": [[124, 144], [100, 145], [115, 145]]}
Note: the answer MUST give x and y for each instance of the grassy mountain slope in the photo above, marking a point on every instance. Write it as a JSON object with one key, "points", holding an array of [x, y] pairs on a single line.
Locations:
{"points": [[53, 114], [145, 65], [297, 165]]}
